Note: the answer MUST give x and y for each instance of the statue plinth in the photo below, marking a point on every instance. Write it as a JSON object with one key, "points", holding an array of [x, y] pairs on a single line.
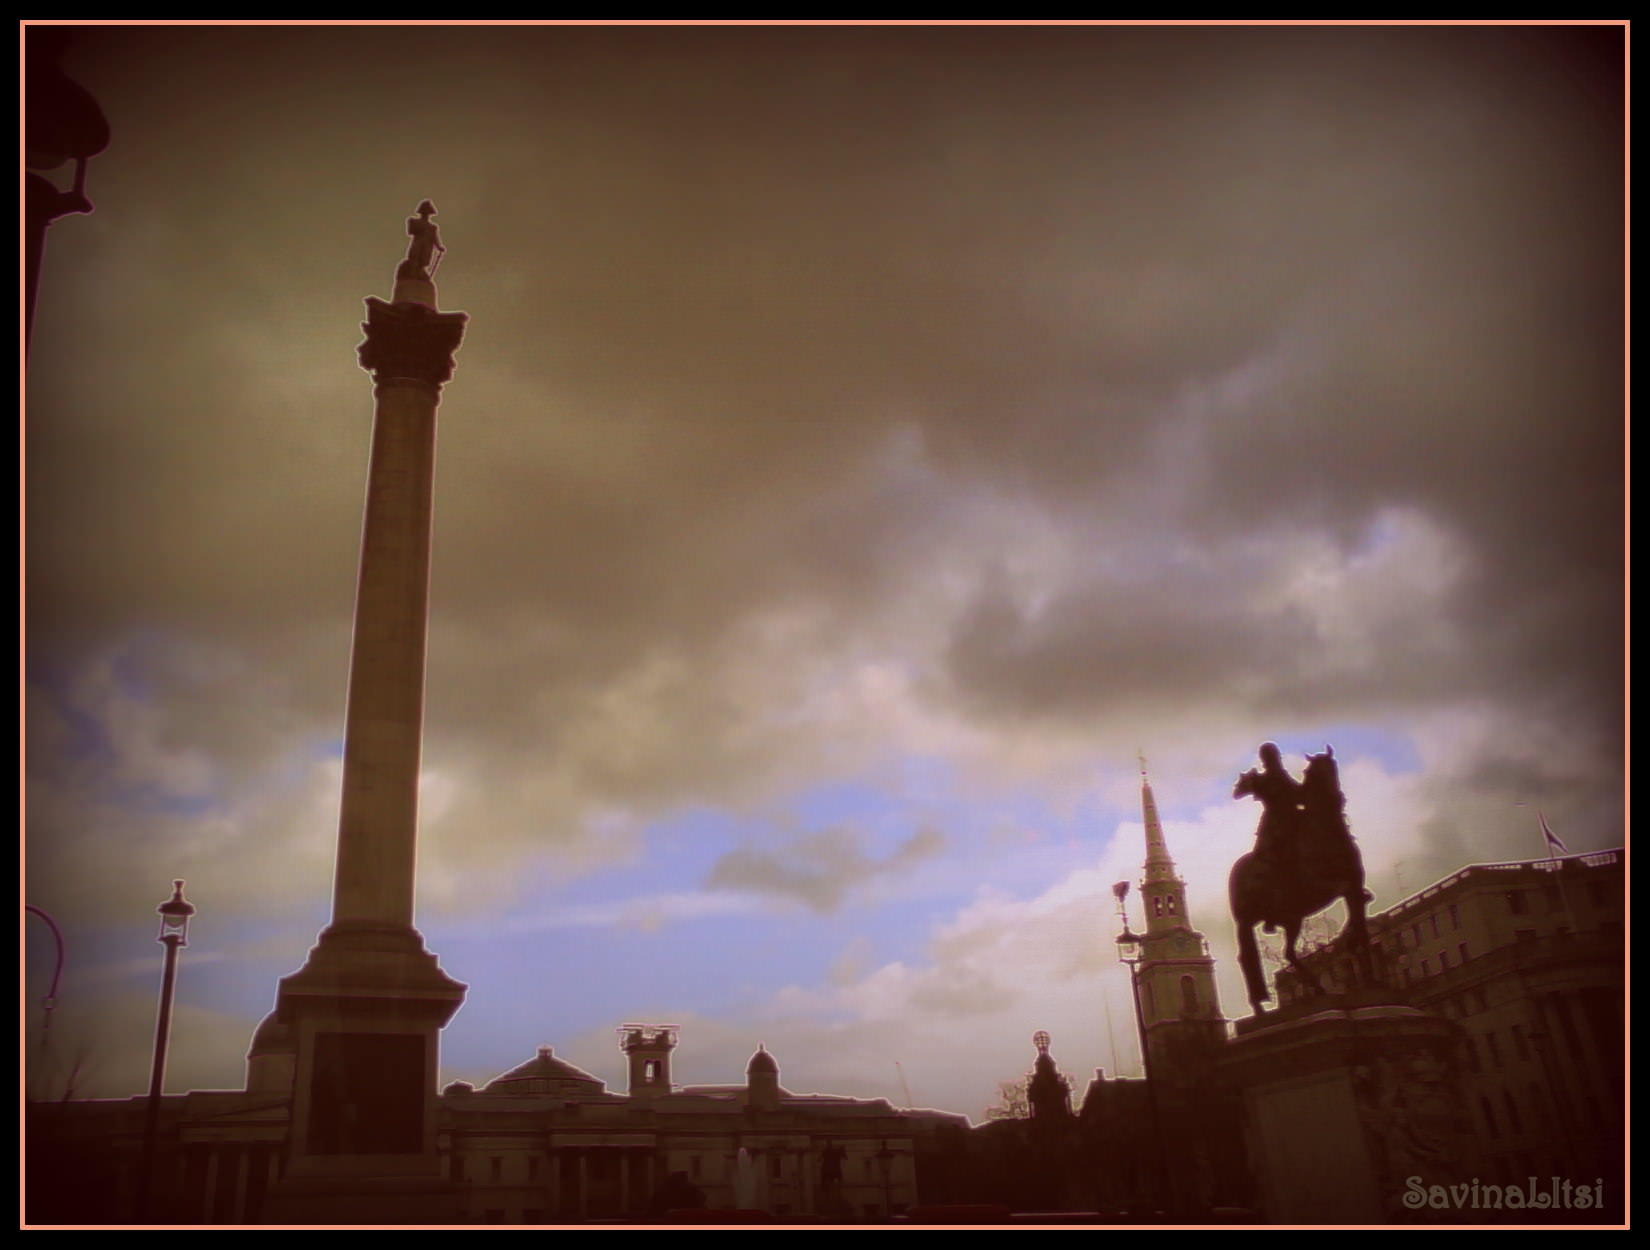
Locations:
{"points": [[1345, 1098]]}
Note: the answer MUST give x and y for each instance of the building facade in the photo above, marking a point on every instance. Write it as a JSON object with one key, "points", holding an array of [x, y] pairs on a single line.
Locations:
{"points": [[1529, 959], [544, 1143]]}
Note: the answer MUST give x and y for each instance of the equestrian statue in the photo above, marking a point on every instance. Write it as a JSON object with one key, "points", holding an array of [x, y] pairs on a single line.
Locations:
{"points": [[1304, 860]]}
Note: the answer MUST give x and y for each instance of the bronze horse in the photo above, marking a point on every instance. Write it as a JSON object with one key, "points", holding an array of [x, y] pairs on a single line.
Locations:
{"points": [[1267, 889]]}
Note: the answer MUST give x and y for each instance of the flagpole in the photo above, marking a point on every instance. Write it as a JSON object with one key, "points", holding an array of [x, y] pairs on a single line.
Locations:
{"points": [[1553, 845]]}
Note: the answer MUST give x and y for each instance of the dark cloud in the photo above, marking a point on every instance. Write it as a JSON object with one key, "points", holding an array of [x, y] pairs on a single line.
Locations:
{"points": [[771, 331]]}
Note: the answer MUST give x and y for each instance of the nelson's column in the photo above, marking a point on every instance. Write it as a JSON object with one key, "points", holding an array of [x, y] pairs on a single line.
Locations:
{"points": [[365, 1011]]}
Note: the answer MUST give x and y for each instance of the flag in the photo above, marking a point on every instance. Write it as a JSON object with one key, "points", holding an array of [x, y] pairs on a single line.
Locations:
{"points": [[1554, 842]]}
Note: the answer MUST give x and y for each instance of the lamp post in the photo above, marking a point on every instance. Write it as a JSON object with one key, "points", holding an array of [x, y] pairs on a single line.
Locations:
{"points": [[174, 934], [63, 123], [50, 1004], [1131, 949]]}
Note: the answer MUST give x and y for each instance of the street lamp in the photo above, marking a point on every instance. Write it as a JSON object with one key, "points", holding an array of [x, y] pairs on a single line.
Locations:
{"points": [[174, 934], [51, 999], [1131, 949], [63, 123]]}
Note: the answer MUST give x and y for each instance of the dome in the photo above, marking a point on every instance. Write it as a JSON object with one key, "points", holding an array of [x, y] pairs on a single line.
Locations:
{"points": [[544, 1074], [272, 1037], [762, 1063]]}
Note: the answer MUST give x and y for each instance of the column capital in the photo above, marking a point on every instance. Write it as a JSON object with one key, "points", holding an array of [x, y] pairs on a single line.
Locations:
{"points": [[412, 342]]}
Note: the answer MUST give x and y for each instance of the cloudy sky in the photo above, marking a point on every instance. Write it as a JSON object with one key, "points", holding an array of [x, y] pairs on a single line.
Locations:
{"points": [[865, 441]]}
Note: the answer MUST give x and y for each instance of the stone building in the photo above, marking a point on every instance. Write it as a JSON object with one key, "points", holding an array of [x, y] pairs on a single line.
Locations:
{"points": [[1529, 959], [545, 1142]]}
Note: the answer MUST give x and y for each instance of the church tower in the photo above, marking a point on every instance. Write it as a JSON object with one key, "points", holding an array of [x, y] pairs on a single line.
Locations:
{"points": [[1178, 999]]}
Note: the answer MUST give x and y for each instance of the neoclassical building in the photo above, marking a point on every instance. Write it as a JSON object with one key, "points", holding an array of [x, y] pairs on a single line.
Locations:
{"points": [[545, 1142]]}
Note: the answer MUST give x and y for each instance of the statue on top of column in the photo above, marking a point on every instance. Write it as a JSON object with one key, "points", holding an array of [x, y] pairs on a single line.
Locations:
{"points": [[424, 250]]}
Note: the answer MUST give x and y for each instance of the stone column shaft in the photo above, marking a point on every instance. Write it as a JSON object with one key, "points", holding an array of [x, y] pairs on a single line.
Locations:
{"points": [[378, 821], [409, 350]]}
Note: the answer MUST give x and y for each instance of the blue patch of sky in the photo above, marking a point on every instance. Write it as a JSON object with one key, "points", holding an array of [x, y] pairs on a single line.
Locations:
{"points": [[558, 983], [154, 798], [598, 964], [87, 740]]}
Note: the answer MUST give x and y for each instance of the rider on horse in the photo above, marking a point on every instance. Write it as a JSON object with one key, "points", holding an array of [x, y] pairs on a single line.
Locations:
{"points": [[1304, 859], [1278, 839]]}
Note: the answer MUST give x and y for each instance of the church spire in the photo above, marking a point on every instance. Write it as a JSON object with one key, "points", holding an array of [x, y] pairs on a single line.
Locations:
{"points": [[1161, 888], [1159, 865], [1179, 1002]]}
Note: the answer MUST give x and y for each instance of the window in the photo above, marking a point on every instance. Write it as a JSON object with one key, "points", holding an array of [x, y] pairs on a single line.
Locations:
{"points": [[1454, 916], [1426, 968], [1519, 1044], [776, 1165], [1434, 919], [1416, 934], [1157, 904], [1516, 904], [495, 1169], [1463, 950], [1443, 961], [1494, 1048], [1188, 996], [1554, 897], [1170, 903]]}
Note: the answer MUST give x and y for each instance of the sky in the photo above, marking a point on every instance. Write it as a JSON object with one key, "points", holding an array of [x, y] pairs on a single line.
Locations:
{"points": [[866, 444]]}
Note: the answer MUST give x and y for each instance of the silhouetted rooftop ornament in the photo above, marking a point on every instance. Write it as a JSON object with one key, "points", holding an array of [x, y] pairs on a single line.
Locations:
{"points": [[1048, 1092]]}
